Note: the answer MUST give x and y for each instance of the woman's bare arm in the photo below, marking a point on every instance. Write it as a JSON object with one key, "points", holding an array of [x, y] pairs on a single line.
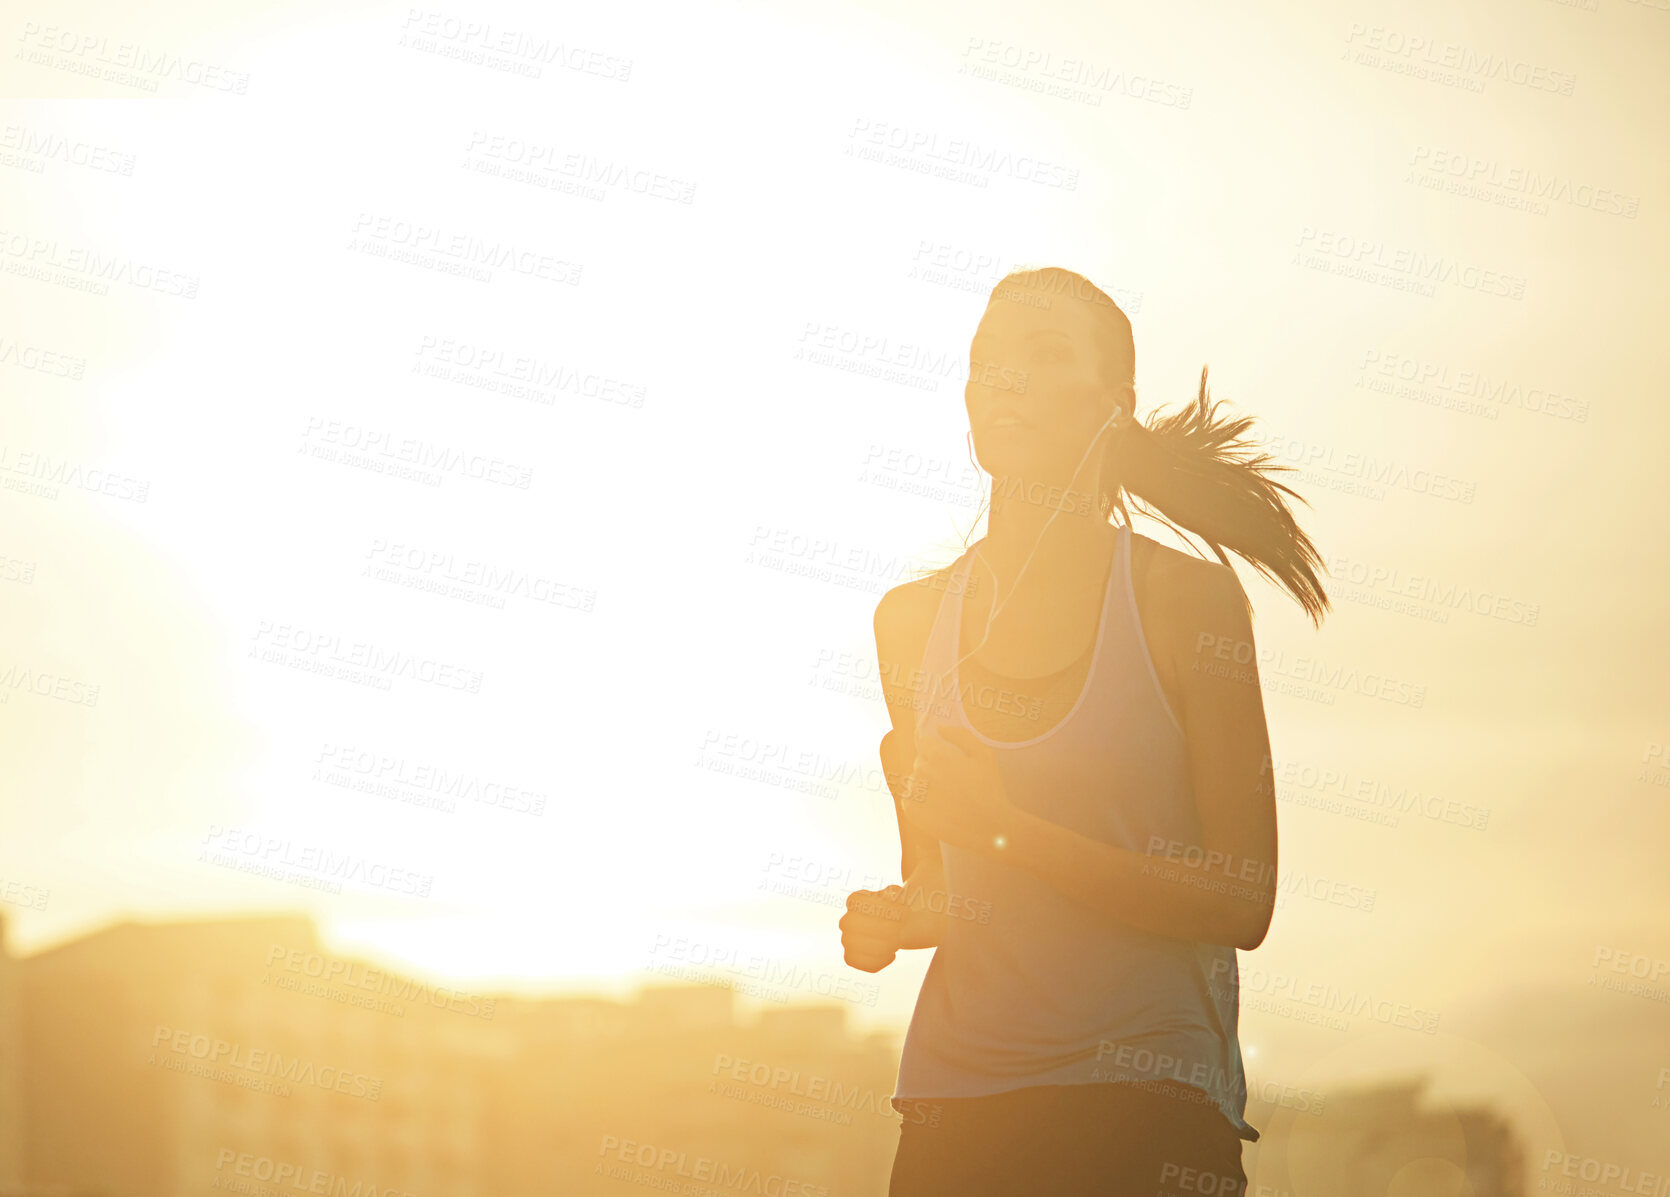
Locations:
{"points": [[878, 924], [902, 622]]}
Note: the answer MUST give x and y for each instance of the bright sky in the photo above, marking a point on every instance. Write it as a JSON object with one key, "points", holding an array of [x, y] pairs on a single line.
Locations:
{"points": [[719, 479]]}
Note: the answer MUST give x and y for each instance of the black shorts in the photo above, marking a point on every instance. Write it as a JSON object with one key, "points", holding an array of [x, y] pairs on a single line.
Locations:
{"points": [[1055, 1140]]}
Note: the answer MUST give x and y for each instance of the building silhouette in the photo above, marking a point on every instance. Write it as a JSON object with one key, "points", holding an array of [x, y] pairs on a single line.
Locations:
{"points": [[1383, 1141], [238, 1056], [11, 1071]]}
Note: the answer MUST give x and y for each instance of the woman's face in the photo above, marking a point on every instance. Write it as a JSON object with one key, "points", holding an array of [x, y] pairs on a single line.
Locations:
{"points": [[1037, 392]]}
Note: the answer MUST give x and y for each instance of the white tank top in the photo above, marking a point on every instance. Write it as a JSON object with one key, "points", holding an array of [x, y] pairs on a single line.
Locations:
{"points": [[1045, 992]]}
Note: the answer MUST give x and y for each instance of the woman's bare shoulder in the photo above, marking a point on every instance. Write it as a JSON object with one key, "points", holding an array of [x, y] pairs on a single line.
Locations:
{"points": [[1171, 567], [904, 618], [1185, 593], [905, 614]]}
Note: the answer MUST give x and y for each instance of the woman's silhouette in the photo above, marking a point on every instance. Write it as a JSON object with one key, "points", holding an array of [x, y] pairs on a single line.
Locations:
{"points": [[1079, 764]]}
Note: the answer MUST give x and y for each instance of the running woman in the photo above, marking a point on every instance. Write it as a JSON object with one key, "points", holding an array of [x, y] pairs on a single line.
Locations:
{"points": [[1079, 763]]}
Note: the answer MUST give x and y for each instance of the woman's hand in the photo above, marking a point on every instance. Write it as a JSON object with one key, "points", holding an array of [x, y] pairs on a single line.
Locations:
{"points": [[956, 792], [872, 929], [880, 922]]}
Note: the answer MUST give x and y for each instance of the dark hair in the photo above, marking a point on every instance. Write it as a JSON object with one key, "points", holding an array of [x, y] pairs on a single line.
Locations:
{"points": [[1194, 471]]}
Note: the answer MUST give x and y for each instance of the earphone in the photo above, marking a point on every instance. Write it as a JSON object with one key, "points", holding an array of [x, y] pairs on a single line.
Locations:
{"points": [[1112, 419]]}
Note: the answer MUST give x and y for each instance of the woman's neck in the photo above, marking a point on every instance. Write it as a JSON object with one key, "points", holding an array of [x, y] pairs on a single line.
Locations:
{"points": [[1021, 510]]}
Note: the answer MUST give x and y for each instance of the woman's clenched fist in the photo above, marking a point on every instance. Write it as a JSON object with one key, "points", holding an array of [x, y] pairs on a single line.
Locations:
{"points": [[879, 922], [872, 929]]}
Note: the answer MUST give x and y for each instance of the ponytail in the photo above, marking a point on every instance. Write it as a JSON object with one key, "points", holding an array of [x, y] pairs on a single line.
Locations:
{"points": [[1198, 473]]}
